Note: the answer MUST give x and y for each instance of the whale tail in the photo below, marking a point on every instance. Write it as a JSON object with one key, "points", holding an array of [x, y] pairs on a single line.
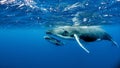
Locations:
{"points": [[114, 42], [108, 37]]}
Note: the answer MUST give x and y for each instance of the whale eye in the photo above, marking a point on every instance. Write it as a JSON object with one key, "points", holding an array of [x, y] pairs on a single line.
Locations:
{"points": [[65, 33]]}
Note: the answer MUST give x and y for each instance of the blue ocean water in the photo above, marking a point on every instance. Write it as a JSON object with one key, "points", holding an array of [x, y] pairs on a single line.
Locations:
{"points": [[23, 24]]}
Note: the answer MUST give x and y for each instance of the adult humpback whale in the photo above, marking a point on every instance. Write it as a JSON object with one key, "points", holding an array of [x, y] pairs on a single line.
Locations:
{"points": [[86, 33]]}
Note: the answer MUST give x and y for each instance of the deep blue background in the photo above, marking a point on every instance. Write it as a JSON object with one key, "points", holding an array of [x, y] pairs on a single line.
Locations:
{"points": [[22, 30]]}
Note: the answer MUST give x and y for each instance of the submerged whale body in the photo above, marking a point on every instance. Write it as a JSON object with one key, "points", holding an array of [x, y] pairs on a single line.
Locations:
{"points": [[86, 33], [53, 40]]}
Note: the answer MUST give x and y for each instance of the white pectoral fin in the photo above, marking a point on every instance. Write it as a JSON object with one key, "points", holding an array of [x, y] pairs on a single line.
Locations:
{"points": [[77, 39]]}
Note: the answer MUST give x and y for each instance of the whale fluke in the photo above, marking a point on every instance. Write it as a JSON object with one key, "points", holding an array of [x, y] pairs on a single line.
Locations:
{"points": [[77, 39], [115, 43]]}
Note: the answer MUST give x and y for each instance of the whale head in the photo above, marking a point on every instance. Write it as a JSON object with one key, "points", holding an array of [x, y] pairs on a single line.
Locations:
{"points": [[61, 32]]}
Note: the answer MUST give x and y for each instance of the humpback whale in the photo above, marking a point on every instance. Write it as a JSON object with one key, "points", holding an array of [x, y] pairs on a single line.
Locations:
{"points": [[53, 40], [85, 33]]}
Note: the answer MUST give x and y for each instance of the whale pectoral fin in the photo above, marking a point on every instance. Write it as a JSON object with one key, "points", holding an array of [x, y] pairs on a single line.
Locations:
{"points": [[77, 39]]}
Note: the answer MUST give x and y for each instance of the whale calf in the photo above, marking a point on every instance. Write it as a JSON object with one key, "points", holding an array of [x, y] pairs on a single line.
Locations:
{"points": [[86, 33], [53, 40]]}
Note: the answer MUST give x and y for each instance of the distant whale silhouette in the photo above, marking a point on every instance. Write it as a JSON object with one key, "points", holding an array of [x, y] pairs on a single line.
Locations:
{"points": [[86, 33]]}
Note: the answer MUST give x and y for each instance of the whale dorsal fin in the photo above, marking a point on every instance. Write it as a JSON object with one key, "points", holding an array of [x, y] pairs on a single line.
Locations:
{"points": [[77, 39]]}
